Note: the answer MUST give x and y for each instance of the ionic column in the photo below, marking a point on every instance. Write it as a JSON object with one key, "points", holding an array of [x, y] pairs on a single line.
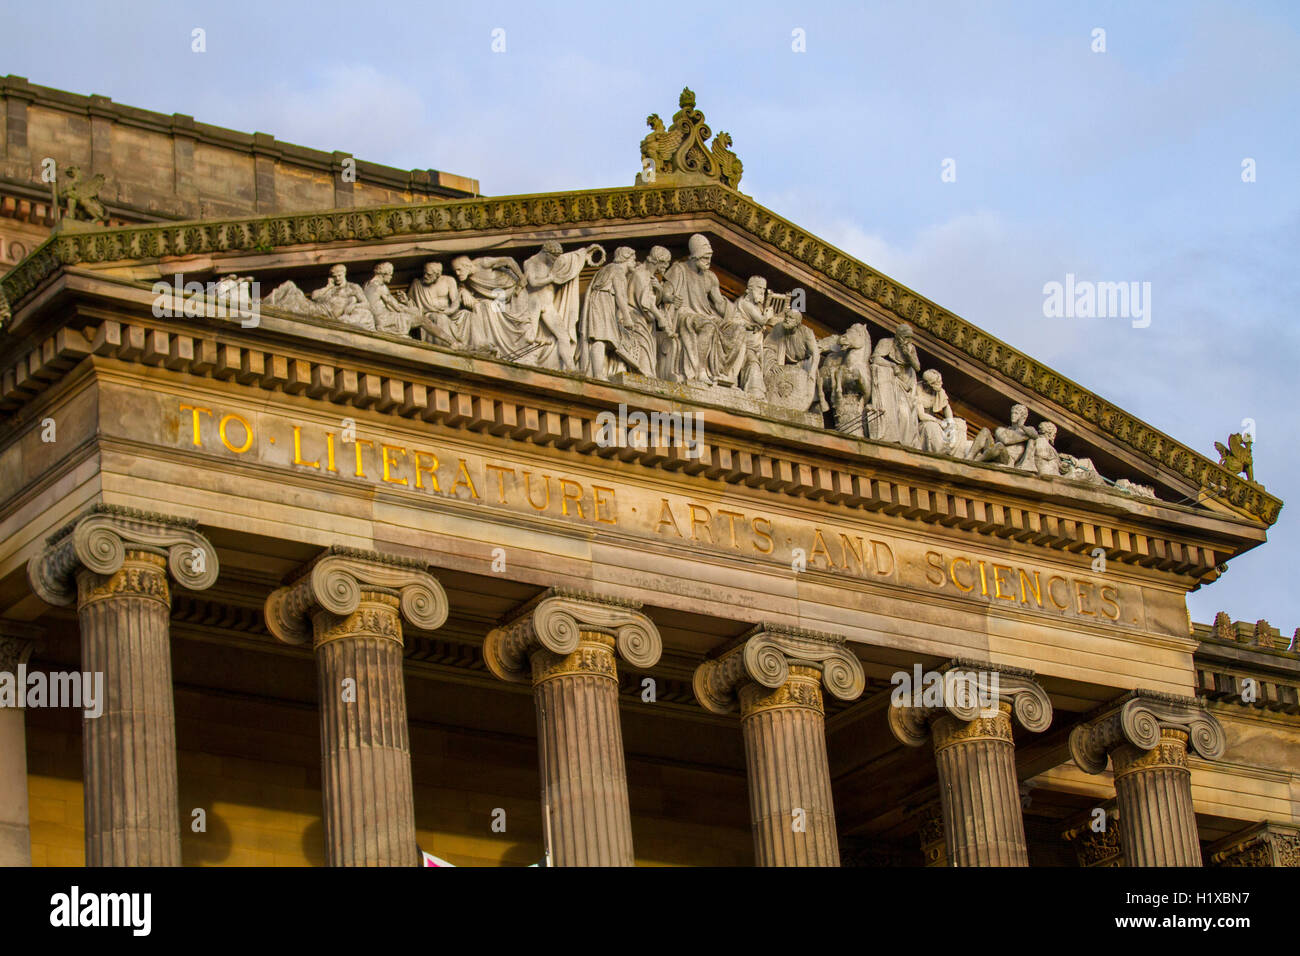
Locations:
{"points": [[350, 605], [1146, 736], [115, 563], [564, 643], [15, 824], [774, 677], [975, 756]]}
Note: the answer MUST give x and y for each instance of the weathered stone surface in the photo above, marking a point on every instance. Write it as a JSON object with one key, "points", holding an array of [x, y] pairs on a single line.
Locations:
{"points": [[351, 604], [564, 644]]}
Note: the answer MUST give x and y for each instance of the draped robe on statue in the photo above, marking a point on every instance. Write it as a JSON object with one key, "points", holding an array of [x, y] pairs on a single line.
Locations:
{"points": [[698, 323], [497, 310], [553, 307], [893, 398]]}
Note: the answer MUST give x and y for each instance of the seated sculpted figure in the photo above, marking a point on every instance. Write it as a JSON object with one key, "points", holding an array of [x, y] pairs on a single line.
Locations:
{"points": [[1050, 462], [700, 307], [1007, 445], [941, 431], [494, 307], [338, 299], [438, 299], [790, 356], [393, 311]]}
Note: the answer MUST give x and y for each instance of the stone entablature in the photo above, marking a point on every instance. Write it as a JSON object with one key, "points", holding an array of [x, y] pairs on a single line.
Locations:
{"points": [[1245, 673], [880, 299], [787, 460]]}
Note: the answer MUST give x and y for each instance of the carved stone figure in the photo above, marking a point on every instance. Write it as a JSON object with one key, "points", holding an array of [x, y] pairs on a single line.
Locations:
{"points": [[1139, 491], [894, 368], [746, 323], [1007, 445], [941, 431], [338, 299], [729, 166], [1237, 457], [700, 307], [81, 197], [682, 154], [393, 312], [844, 378], [605, 315], [438, 299], [790, 357], [651, 314], [551, 278], [495, 307]]}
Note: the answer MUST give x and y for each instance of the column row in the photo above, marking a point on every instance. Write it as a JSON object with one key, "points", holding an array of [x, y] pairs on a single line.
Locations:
{"points": [[117, 566]]}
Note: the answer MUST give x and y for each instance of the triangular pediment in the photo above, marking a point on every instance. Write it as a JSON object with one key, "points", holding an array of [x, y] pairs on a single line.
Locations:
{"points": [[982, 376]]}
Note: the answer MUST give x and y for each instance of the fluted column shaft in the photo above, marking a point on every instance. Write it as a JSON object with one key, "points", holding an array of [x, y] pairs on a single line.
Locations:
{"points": [[365, 744], [1146, 736], [1154, 789], [563, 644], [15, 820], [584, 780], [978, 790], [790, 806], [129, 751]]}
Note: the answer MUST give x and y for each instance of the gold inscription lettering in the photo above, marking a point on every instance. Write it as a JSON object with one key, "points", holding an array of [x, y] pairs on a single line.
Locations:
{"points": [[566, 497], [501, 471], [248, 433], [196, 410], [998, 582], [297, 449], [698, 521], [1025, 586], [819, 547], [388, 463], [879, 551], [1051, 591], [771, 546], [358, 443], [1112, 600], [597, 501], [528, 491], [431, 470], [731, 517], [669, 520], [859, 552], [1078, 598], [952, 573], [463, 479]]}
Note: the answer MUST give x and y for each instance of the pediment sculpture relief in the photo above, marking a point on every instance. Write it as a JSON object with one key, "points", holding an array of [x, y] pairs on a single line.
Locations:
{"points": [[663, 324]]}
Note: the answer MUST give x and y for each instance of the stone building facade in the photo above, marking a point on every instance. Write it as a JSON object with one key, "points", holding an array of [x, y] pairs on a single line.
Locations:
{"points": [[643, 494], [157, 168]]}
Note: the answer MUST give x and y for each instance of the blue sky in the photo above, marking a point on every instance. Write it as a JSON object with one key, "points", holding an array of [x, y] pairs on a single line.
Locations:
{"points": [[1115, 166]]}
